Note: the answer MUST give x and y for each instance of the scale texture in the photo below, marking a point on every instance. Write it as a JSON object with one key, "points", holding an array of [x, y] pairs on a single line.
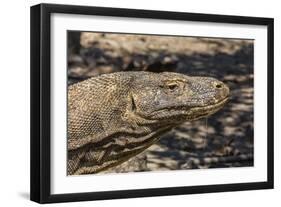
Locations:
{"points": [[114, 117]]}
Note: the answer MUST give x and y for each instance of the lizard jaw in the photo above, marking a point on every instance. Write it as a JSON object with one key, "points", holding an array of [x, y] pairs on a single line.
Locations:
{"points": [[188, 113], [205, 111]]}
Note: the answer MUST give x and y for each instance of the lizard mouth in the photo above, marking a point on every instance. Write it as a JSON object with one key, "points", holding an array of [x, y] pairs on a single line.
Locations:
{"points": [[189, 113], [205, 111]]}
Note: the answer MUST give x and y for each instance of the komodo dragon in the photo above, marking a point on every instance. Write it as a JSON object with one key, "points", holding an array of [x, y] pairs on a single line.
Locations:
{"points": [[113, 117]]}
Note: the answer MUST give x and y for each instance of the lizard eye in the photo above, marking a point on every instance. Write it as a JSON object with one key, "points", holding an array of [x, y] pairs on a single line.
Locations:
{"points": [[172, 86]]}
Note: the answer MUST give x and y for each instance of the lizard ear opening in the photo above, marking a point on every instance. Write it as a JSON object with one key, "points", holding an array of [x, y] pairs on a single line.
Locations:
{"points": [[133, 104]]}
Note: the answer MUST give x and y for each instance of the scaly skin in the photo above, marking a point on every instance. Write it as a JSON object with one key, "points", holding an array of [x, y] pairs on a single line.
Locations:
{"points": [[114, 117]]}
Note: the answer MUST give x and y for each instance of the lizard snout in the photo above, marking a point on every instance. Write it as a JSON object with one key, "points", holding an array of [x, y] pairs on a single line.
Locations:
{"points": [[222, 90]]}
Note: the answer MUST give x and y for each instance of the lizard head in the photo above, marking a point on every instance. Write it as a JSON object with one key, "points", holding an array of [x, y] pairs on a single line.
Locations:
{"points": [[104, 135], [173, 97]]}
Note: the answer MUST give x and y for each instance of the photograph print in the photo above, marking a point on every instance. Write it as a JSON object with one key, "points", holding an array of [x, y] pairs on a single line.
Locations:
{"points": [[140, 102]]}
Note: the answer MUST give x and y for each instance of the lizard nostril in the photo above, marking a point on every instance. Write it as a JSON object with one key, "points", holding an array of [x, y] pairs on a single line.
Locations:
{"points": [[219, 85]]}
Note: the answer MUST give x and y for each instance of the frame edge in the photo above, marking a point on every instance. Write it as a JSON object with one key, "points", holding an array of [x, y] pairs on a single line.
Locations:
{"points": [[35, 25], [270, 102]]}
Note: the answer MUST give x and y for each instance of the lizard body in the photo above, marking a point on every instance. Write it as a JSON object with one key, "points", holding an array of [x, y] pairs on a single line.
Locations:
{"points": [[114, 117]]}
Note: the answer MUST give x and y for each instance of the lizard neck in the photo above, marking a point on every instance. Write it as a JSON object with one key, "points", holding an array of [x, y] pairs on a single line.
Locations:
{"points": [[120, 147]]}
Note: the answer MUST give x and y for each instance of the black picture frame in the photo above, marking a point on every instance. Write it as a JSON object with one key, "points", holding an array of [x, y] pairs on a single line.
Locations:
{"points": [[41, 99]]}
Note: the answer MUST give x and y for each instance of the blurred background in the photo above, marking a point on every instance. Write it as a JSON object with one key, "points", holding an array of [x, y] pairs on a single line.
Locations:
{"points": [[223, 140]]}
